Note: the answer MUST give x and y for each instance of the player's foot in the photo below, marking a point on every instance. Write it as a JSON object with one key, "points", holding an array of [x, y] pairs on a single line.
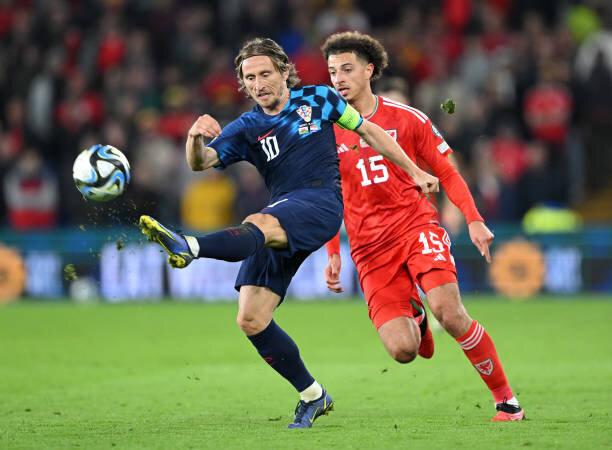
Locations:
{"points": [[508, 413], [307, 412], [174, 244], [427, 346]]}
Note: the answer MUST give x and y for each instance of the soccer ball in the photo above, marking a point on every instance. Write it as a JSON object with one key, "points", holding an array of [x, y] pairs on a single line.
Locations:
{"points": [[101, 173]]}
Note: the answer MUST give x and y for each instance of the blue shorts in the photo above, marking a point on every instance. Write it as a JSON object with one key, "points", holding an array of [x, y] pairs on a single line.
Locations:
{"points": [[310, 217]]}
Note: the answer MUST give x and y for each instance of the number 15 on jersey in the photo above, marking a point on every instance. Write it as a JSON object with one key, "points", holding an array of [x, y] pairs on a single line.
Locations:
{"points": [[378, 171]]}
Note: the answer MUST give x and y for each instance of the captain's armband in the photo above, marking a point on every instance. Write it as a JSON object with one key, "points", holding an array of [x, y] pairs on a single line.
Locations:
{"points": [[350, 119]]}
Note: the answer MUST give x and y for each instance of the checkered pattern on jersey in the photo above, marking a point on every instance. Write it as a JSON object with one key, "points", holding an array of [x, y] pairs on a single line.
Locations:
{"points": [[292, 149], [327, 105]]}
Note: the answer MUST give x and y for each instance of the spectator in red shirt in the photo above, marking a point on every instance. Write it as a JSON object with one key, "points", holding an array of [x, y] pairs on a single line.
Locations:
{"points": [[548, 106], [31, 193]]}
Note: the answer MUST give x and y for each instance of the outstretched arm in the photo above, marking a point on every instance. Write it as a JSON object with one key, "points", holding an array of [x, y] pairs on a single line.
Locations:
{"points": [[431, 146], [384, 144], [199, 157], [459, 194], [334, 264]]}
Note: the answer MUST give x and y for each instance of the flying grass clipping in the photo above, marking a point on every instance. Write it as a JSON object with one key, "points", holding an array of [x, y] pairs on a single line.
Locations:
{"points": [[448, 106]]}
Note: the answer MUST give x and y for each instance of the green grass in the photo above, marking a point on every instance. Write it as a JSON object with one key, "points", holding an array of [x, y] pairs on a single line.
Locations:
{"points": [[183, 376]]}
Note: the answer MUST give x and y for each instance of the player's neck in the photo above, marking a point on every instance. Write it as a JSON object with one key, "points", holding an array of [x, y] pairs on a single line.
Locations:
{"points": [[278, 106], [365, 103]]}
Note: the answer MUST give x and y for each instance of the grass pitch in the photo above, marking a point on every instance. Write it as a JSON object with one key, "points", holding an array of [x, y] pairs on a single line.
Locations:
{"points": [[183, 376]]}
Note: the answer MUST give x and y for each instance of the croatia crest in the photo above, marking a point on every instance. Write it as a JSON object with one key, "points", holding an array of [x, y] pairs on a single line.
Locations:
{"points": [[305, 112]]}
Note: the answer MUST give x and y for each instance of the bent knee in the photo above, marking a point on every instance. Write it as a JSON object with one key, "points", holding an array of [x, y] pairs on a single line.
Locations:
{"points": [[250, 324], [403, 353], [262, 221], [275, 235]]}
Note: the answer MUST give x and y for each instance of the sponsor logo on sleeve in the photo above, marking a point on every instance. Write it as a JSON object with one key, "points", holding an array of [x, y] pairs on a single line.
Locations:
{"points": [[435, 131], [442, 146]]}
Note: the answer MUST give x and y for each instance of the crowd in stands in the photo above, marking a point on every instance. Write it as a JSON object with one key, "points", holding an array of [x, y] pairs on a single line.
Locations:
{"points": [[531, 80]]}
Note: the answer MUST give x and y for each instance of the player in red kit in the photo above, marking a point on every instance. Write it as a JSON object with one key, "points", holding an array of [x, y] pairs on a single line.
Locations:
{"points": [[395, 238]]}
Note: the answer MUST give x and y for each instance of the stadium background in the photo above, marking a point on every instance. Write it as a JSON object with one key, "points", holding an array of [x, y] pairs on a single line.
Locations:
{"points": [[531, 80]]}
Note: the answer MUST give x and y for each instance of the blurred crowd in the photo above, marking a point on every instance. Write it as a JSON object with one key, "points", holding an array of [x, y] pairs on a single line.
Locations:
{"points": [[531, 80]]}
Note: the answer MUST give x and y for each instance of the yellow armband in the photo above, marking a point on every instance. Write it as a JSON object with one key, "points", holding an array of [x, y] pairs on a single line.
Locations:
{"points": [[350, 118]]}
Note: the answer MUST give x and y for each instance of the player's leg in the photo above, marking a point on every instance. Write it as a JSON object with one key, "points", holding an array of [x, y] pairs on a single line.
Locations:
{"points": [[262, 280], [256, 306], [274, 234], [309, 218], [445, 302], [427, 346], [388, 291], [432, 265], [229, 244], [401, 337], [404, 336], [238, 243]]}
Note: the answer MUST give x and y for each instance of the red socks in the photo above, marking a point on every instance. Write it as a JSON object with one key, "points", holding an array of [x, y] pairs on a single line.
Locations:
{"points": [[479, 349]]}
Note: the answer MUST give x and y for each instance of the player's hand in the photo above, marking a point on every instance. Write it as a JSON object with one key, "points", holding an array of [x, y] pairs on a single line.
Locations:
{"points": [[427, 182], [332, 273], [206, 126], [482, 238]]}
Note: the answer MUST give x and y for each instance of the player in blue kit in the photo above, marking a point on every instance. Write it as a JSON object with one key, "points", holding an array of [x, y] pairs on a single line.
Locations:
{"points": [[289, 137]]}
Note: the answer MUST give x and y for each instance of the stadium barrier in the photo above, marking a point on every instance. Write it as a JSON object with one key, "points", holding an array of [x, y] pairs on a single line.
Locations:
{"points": [[117, 265]]}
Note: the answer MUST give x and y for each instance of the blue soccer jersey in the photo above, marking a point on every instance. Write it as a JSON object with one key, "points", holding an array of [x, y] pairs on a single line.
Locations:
{"points": [[295, 148]]}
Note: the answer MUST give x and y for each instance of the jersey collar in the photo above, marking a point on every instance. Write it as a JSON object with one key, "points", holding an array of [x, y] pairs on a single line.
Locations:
{"points": [[375, 109]]}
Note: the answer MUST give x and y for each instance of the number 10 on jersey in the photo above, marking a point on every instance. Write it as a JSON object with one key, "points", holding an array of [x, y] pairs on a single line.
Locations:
{"points": [[379, 170], [270, 147]]}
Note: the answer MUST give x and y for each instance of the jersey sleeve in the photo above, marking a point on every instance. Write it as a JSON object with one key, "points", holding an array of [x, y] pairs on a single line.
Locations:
{"points": [[231, 145], [333, 246], [433, 149], [336, 109], [429, 141]]}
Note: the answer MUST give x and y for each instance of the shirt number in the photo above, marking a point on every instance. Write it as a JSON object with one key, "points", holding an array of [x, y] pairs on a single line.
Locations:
{"points": [[435, 247], [270, 147], [380, 172]]}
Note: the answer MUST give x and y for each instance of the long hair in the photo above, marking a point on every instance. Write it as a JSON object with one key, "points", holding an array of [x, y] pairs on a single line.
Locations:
{"points": [[363, 45], [266, 47]]}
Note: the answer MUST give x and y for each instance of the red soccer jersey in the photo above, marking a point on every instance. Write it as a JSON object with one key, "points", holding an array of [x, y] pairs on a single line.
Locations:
{"points": [[381, 202]]}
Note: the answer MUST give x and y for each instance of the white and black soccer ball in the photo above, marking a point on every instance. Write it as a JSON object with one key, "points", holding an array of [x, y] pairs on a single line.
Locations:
{"points": [[101, 173]]}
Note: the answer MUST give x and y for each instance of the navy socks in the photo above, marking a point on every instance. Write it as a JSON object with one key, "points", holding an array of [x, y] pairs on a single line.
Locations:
{"points": [[279, 350], [273, 344], [232, 244]]}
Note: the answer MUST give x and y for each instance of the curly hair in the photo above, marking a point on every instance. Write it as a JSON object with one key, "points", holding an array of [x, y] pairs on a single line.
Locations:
{"points": [[266, 47], [363, 45]]}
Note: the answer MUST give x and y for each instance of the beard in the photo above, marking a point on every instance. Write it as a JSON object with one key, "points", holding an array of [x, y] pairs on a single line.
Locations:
{"points": [[273, 100]]}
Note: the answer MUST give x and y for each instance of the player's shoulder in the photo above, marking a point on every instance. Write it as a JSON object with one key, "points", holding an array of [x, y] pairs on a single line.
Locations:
{"points": [[402, 111], [251, 117], [313, 90], [317, 88], [242, 123], [252, 113]]}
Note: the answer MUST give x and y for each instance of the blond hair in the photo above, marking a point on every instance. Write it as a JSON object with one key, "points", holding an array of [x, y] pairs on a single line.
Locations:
{"points": [[266, 47]]}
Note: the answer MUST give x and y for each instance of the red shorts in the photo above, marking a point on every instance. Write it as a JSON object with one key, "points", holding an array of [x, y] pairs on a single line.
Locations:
{"points": [[389, 280]]}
